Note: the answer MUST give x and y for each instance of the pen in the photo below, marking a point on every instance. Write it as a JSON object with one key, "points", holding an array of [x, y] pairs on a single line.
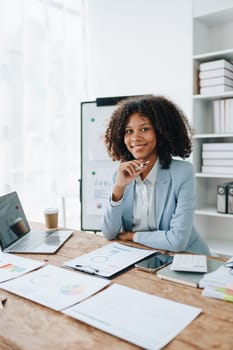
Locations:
{"points": [[86, 268], [142, 165]]}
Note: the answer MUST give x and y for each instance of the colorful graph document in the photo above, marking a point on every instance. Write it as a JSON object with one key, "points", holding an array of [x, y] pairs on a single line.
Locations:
{"points": [[12, 266], [55, 287], [140, 318], [108, 260]]}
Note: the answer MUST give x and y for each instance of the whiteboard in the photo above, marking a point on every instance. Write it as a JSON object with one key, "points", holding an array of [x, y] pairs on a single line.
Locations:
{"points": [[97, 168]]}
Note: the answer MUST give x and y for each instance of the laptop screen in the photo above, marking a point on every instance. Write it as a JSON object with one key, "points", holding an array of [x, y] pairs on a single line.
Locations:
{"points": [[13, 222]]}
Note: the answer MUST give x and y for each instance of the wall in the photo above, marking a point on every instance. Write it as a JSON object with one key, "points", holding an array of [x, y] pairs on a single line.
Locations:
{"points": [[140, 46]]}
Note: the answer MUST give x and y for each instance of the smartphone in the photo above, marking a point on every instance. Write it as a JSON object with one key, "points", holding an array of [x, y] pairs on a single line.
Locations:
{"points": [[155, 262]]}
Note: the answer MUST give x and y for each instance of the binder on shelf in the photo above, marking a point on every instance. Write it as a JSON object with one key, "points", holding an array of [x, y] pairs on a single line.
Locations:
{"points": [[222, 116], [217, 115], [222, 198], [230, 198]]}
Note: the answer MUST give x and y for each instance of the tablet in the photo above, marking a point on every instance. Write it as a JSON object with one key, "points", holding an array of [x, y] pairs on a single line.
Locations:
{"points": [[155, 262]]}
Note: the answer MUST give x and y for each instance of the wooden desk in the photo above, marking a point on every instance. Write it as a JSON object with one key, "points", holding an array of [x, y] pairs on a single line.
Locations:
{"points": [[25, 325]]}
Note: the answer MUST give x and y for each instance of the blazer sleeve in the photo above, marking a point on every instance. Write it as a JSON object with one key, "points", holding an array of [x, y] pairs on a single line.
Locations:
{"points": [[112, 220]]}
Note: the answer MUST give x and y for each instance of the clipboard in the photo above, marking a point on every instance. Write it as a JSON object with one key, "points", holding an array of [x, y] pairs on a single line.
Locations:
{"points": [[109, 260]]}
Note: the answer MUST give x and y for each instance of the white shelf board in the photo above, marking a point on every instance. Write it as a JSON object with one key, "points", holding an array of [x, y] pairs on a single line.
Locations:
{"points": [[220, 247], [213, 96], [206, 136], [212, 211], [218, 176], [215, 55], [216, 17]]}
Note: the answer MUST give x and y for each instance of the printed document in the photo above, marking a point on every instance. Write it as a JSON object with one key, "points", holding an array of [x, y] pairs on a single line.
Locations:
{"points": [[12, 266], [109, 260], [140, 318], [55, 287]]}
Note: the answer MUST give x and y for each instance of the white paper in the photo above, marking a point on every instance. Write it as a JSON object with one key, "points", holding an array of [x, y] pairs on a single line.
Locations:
{"points": [[110, 259], [55, 287], [222, 277], [99, 189], [142, 319], [12, 266]]}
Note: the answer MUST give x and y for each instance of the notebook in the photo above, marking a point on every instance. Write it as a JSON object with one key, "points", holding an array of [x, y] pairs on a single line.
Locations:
{"points": [[16, 235], [189, 278]]}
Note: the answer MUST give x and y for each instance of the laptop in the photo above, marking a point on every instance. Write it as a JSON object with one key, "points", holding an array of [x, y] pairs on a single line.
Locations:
{"points": [[16, 235]]}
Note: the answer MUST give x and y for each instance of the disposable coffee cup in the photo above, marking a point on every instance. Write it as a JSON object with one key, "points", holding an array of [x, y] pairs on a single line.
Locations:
{"points": [[51, 219], [19, 227]]}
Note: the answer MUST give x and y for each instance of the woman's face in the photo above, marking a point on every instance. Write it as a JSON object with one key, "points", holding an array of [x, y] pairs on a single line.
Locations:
{"points": [[140, 138]]}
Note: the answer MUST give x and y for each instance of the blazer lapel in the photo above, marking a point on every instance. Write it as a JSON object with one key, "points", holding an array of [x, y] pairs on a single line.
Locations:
{"points": [[162, 186]]}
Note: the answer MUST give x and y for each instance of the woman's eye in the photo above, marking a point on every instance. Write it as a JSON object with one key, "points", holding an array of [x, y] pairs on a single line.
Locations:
{"points": [[128, 131]]}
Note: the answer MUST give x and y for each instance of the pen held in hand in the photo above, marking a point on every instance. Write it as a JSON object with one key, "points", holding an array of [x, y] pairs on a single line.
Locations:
{"points": [[142, 165]]}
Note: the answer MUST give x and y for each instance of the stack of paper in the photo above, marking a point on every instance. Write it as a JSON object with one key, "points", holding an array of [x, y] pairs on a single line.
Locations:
{"points": [[219, 284], [216, 77], [217, 158]]}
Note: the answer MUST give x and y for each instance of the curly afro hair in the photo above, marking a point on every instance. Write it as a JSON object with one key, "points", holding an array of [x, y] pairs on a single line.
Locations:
{"points": [[169, 122]]}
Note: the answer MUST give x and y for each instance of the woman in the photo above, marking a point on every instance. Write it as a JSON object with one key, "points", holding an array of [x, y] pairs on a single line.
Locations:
{"points": [[153, 195]]}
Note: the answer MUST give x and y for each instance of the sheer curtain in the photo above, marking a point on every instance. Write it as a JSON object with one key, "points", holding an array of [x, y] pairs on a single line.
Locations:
{"points": [[42, 81]]}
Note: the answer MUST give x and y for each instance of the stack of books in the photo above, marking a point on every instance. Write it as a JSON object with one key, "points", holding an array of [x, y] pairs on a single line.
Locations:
{"points": [[219, 284], [216, 77], [217, 158]]}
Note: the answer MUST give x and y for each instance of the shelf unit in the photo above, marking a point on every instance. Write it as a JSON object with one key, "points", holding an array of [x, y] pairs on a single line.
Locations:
{"points": [[212, 40]]}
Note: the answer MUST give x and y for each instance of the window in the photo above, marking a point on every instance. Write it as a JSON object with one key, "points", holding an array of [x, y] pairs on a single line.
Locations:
{"points": [[43, 75]]}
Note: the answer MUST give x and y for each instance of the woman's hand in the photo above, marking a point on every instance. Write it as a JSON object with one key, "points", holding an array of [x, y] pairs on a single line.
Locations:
{"points": [[126, 236], [127, 172]]}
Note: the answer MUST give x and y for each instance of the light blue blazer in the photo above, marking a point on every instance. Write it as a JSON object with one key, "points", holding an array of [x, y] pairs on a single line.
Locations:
{"points": [[174, 212]]}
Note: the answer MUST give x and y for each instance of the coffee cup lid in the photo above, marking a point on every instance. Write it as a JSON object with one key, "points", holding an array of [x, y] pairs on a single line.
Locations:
{"points": [[50, 211]]}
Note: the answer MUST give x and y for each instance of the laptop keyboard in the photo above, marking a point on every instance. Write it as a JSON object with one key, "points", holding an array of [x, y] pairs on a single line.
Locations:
{"points": [[31, 241]]}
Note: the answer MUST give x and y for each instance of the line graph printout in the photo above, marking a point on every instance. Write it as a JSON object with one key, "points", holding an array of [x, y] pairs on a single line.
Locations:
{"points": [[109, 260], [12, 266], [55, 287], [100, 185], [140, 318]]}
